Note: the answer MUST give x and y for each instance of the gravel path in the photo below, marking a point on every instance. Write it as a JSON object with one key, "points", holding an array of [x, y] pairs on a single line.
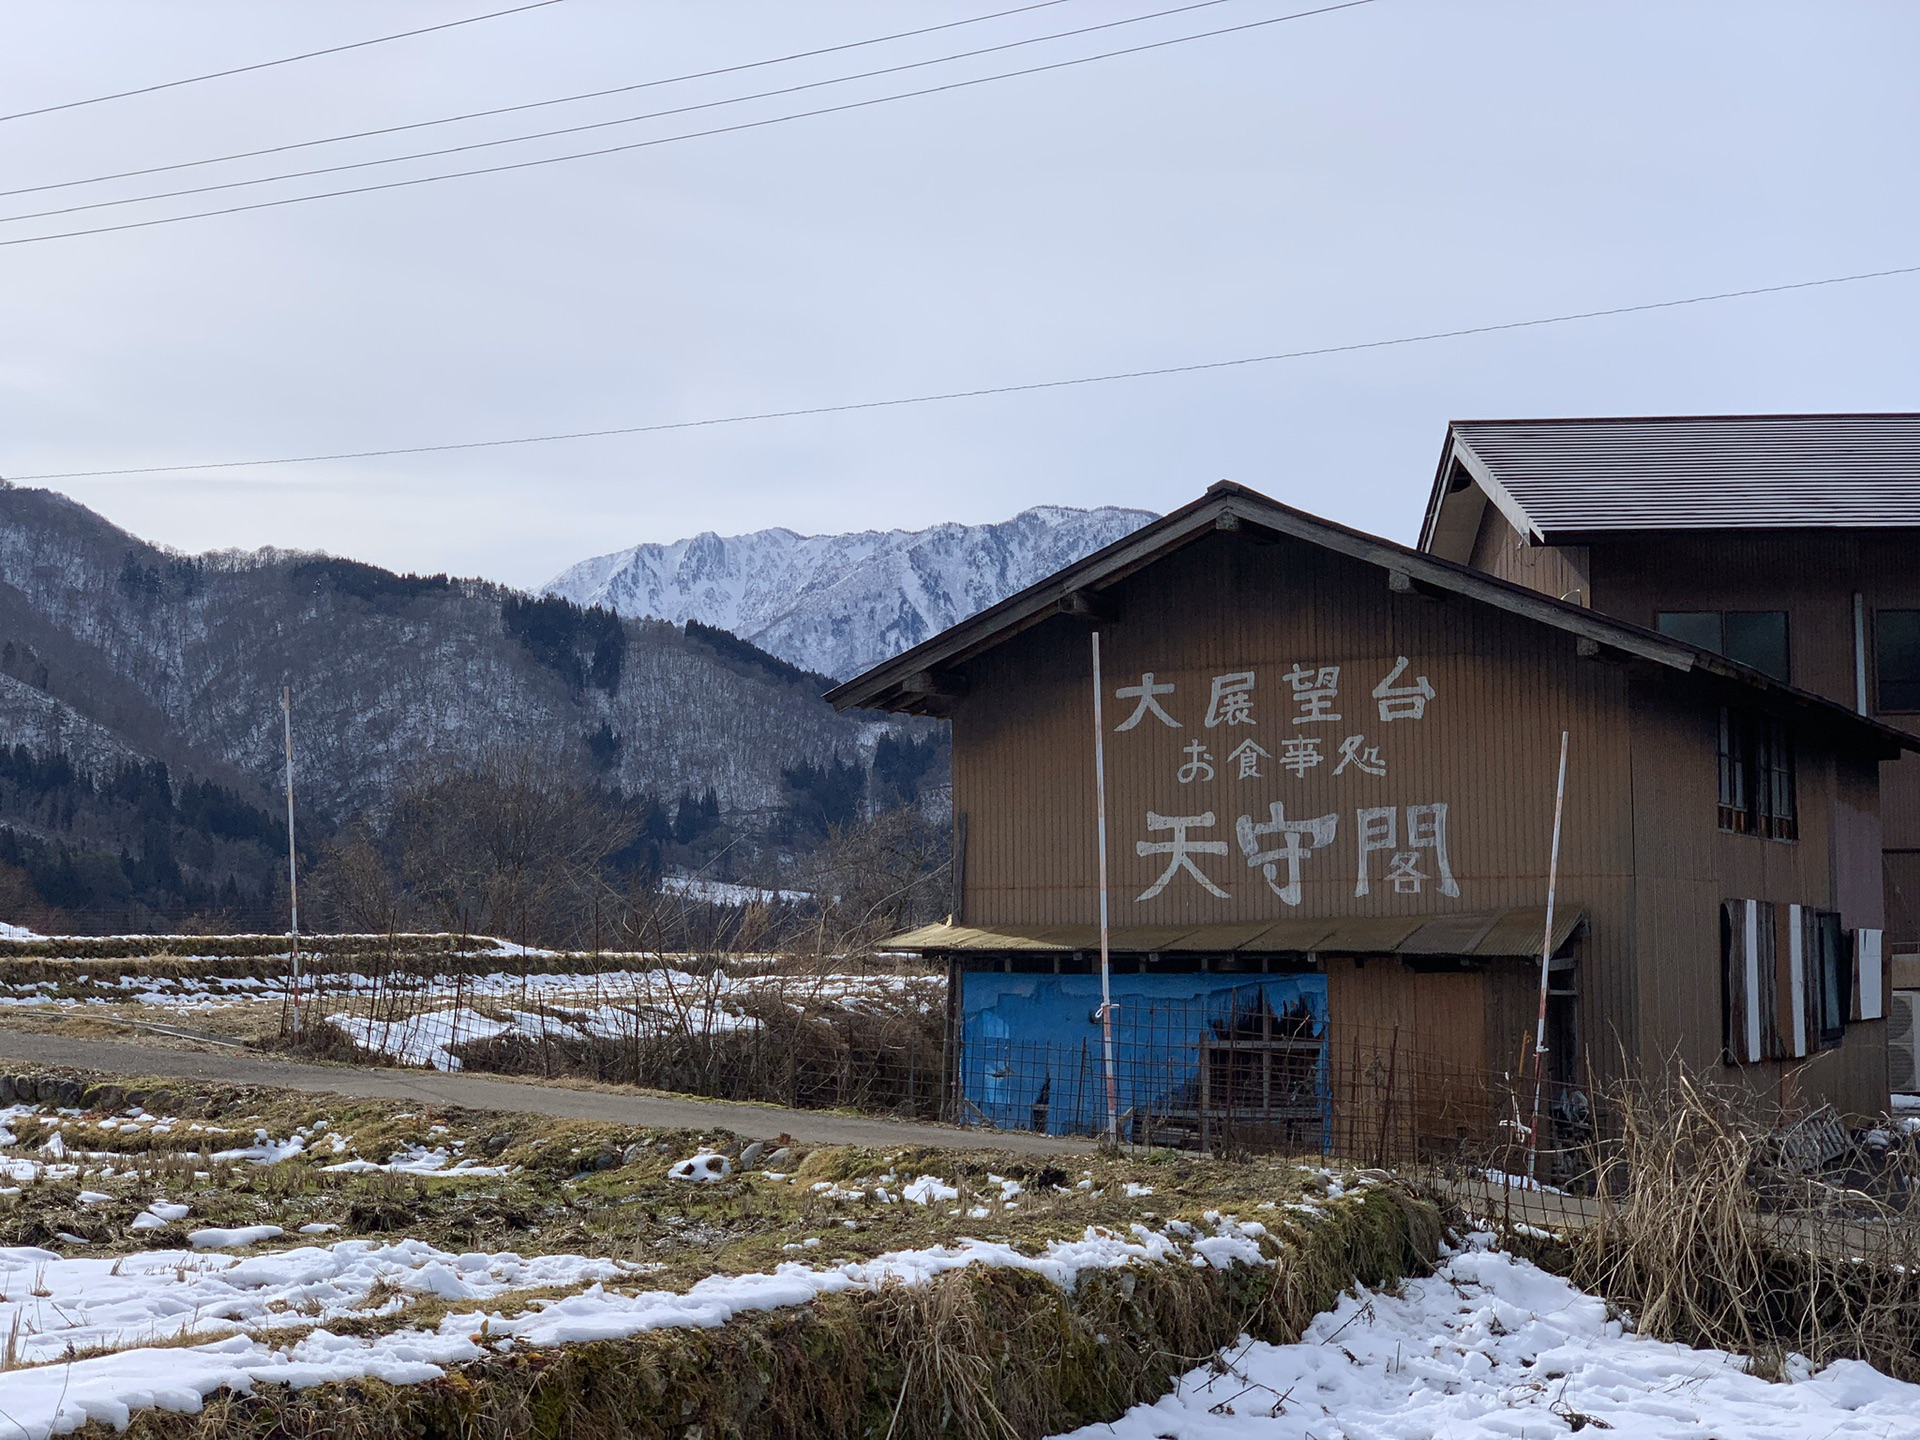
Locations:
{"points": [[479, 1092]]}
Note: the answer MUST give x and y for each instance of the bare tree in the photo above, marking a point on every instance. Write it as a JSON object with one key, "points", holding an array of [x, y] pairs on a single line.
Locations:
{"points": [[498, 845], [353, 885], [874, 878]]}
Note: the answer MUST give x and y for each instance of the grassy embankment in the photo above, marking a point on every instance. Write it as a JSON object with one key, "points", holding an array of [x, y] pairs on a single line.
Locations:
{"points": [[984, 1351]]}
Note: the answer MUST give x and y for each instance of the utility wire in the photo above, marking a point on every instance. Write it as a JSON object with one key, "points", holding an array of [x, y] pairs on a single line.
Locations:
{"points": [[270, 64], [533, 104], [610, 124], [983, 391], [674, 139]]}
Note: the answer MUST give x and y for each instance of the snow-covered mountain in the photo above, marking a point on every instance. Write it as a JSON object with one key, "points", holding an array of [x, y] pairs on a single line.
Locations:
{"points": [[837, 604]]}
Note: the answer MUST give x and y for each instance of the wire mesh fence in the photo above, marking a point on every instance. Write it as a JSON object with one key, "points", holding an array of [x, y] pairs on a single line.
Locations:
{"points": [[1263, 1066], [805, 1031]]}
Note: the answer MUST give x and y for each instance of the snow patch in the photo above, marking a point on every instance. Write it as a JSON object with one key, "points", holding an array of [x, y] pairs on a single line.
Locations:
{"points": [[1492, 1348]]}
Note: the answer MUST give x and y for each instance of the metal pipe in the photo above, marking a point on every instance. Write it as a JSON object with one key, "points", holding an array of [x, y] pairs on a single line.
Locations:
{"points": [[1546, 960], [1859, 652], [1106, 968], [293, 875]]}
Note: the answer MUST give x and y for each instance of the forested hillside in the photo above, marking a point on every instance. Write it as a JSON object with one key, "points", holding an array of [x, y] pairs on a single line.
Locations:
{"points": [[140, 700]]}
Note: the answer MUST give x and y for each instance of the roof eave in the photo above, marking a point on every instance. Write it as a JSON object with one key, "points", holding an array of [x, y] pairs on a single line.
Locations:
{"points": [[885, 685]]}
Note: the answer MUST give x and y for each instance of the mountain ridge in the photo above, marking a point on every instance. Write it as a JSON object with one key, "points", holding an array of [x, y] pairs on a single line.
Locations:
{"points": [[837, 604], [146, 674]]}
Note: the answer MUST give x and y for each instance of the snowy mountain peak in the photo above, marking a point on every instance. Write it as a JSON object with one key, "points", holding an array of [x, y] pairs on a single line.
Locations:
{"points": [[838, 604]]}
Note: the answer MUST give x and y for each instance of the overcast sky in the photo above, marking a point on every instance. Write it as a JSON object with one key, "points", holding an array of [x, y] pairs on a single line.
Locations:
{"points": [[1385, 170]]}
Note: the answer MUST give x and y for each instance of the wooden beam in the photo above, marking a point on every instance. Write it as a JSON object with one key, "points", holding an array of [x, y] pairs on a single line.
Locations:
{"points": [[935, 684]]}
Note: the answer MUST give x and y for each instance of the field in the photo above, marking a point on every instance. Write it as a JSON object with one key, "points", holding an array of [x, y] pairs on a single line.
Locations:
{"points": [[159, 1244], [815, 1033], [195, 1260]]}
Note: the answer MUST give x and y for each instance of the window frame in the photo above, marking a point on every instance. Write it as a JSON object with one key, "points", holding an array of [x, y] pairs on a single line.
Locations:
{"points": [[1736, 777], [1786, 981], [1720, 646], [1758, 776], [1829, 958], [1880, 707]]}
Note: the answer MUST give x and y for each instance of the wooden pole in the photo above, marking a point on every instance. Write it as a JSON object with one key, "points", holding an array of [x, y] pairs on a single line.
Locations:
{"points": [[293, 875], [1106, 968], [1546, 959]]}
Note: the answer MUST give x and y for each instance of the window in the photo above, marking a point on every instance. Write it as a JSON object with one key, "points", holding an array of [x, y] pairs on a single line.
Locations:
{"points": [[1751, 637], [1896, 659], [1696, 627], [1829, 977], [1757, 794], [1734, 812], [1786, 981], [1775, 804]]}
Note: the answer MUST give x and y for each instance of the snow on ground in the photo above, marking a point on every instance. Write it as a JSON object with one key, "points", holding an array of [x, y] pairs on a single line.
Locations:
{"points": [[266, 1316], [421, 1039], [1493, 1348], [623, 1006], [667, 986], [52, 1158]]}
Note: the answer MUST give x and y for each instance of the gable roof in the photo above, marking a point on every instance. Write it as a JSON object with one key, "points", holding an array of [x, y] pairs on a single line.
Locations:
{"points": [[924, 681], [1680, 472]]}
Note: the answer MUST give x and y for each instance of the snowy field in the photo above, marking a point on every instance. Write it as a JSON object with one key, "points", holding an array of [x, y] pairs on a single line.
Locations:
{"points": [[625, 1006], [176, 1325], [416, 1019], [181, 1291], [1492, 1348], [1488, 1348], [119, 1143]]}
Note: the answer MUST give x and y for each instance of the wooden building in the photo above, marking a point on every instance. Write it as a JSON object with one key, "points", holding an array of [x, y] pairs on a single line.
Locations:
{"points": [[1789, 542], [1330, 770]]}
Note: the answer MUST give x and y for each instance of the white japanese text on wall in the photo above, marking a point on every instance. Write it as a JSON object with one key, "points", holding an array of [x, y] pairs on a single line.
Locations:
{"points": [[1240, 750]]}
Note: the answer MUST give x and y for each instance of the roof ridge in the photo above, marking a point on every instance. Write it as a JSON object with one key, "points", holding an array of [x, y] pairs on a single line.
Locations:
{"points": [[1701, 419]]}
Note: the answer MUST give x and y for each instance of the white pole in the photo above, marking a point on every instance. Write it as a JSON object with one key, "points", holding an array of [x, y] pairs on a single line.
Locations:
{"points": [[1106, 969], [1546, 959], [293, 876]]}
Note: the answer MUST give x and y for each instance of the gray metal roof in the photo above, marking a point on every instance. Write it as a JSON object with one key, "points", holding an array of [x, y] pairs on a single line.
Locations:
{"points": [[1706, 472]]}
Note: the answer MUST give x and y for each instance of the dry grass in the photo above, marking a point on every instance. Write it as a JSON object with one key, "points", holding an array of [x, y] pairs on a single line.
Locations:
{"points": [[979, 1353], [1711, 1235]]}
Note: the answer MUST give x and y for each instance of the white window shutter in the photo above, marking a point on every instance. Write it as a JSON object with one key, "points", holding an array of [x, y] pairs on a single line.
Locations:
{"points": [[1871, 975], [1751, 958], [1797, 976]]}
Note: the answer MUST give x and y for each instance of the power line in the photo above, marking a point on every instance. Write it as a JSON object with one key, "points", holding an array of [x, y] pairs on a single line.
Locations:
{"points": [[1027, 387], [270, 64], [609, 124], [674, 139], [535, 104]]}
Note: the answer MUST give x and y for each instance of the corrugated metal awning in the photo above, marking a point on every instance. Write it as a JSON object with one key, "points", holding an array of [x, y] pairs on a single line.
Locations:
{"points": [[1486, 934]]}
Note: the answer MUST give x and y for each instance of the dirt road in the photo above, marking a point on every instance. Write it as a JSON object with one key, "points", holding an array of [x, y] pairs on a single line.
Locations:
{"points": [[477, 1092]]}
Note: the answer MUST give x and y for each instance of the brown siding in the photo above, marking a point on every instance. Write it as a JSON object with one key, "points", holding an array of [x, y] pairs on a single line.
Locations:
{"points": [[1487, 746], [1812, 575], [1412, 1055], [1642, 854], [1556, 570], [1687, 866]]}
